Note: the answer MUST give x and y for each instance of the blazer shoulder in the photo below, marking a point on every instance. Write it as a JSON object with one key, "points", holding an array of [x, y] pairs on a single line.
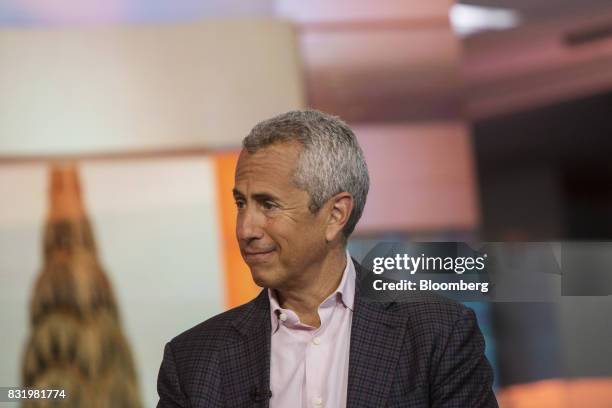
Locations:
{"points": [[211, 333], [434, 310], [423, 309]]}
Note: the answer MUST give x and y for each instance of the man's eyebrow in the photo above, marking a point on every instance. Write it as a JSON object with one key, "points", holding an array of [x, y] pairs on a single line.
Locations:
{"points": [[265, 197], [256, 196]]}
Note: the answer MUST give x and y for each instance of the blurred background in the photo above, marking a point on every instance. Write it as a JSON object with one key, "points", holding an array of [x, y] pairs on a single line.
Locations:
{"points": [[120, 123]]}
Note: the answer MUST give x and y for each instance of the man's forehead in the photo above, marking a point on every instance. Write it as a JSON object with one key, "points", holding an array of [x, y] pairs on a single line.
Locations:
{"points": [[269, 169], [280, 159]]}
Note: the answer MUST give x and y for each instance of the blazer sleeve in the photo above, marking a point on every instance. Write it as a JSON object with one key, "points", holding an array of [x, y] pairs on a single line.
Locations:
{"points": [[463, 376], [168, 385]]}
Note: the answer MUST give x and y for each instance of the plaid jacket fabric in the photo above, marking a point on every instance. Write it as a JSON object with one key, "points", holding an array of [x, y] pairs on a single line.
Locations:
{"points": [[424, 353]]}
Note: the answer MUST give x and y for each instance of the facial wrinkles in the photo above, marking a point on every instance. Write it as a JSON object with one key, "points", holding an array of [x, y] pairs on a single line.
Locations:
{"points": [[269, 171], [257, 176]]}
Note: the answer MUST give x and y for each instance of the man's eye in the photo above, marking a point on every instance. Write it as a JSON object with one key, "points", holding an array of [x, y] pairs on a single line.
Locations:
{"points": [[268, 205], [239, 204]]}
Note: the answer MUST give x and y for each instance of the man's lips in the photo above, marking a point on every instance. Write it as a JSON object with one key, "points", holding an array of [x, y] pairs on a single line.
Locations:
{"points": [[257, 256]]}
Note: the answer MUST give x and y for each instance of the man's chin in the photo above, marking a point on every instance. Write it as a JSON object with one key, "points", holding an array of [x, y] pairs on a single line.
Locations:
{"points": [[263, 276]]}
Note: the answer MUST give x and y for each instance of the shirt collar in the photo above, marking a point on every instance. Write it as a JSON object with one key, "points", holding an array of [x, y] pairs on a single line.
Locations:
{"points": [[346, 288], [345, 292]]}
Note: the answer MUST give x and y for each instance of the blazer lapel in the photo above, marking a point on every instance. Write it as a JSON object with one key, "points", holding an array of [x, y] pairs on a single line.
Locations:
{"points": [[245, 361], [376, 339]]}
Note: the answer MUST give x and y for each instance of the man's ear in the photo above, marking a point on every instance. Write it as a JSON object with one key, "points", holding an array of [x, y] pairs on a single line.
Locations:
{"points": [[340, 209]]}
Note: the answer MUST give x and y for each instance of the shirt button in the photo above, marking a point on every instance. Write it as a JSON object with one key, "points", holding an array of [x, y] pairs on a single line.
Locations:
{"points": [[282, 317], [316, 341], [318, 401]]}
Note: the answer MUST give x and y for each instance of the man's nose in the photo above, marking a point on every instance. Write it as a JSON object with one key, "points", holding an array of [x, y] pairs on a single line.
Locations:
{"points": [[248, 225]]}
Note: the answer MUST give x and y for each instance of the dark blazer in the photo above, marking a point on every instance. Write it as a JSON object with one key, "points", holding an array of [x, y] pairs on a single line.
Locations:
{"points": [[423, 353]]}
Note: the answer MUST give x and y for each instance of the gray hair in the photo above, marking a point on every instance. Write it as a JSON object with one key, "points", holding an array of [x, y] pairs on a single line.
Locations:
{"points": [[331, 161]]}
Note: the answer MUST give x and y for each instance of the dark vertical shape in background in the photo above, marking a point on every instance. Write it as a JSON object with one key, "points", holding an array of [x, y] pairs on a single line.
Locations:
{"points": [[545, 174]]}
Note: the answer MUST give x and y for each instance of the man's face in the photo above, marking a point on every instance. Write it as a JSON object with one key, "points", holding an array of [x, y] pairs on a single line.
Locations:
{"points": [[279, 238]]}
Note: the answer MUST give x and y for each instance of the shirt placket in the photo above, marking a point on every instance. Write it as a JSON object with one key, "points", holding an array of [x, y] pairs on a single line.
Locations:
{"points": [[317, 360]]}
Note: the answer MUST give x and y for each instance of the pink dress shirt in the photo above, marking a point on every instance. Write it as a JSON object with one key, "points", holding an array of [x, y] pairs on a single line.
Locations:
{"points": [[308, 365]]}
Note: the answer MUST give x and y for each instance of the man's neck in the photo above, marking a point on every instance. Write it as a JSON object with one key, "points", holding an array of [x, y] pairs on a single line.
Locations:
{"points": [[305, 300]]}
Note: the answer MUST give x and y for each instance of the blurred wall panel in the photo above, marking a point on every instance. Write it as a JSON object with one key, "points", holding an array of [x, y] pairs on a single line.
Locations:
{"points": [[118, 88], [158, 235], [539, 64], [23, 207], [384, 74], [379, 61], [326, 11], [116, 11], [422, 178]]}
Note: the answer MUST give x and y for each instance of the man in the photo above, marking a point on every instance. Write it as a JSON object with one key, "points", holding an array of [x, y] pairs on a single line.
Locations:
{"points": [[309, 339]]}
